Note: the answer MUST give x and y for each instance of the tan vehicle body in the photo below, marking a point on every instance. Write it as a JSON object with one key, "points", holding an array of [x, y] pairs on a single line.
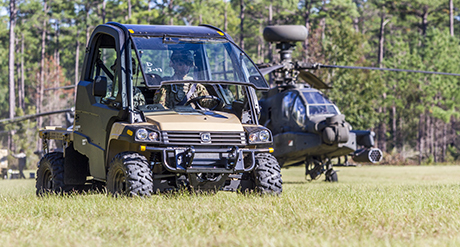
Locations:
{"points": [[175, 121]]}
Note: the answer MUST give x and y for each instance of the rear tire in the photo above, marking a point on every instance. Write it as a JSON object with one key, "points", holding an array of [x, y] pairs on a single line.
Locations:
{"points": [[129, 174], [267, 175], [50, 174]]}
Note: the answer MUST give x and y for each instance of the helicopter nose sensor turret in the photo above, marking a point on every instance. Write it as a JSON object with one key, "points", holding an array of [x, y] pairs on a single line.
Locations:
{"points": [[336, 130]]}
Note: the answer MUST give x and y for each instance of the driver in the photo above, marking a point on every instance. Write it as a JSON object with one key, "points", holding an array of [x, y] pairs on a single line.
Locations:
{"points": [[178, 94]]}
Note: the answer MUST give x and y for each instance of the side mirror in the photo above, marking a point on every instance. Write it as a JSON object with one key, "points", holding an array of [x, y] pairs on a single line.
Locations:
{"points": [[100, 86]]}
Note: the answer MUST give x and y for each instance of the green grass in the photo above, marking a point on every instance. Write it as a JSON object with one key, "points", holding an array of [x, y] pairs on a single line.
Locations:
{"points": [[370, 206]]}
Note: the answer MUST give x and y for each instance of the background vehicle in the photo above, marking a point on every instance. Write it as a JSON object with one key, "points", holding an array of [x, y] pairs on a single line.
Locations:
{"points": [[123, 140], [4, 163], [308, 128]]}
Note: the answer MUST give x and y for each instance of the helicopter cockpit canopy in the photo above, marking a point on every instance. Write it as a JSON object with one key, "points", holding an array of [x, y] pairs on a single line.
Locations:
{"points": [[303, 103], [317, 104]]}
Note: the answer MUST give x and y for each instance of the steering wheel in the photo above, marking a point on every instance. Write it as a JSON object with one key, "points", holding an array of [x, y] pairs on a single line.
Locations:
{"points": [[210, 97], [153, 79]]}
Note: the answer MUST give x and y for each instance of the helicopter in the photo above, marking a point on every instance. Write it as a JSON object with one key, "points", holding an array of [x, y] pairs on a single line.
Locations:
{"points": [[307, 127]]}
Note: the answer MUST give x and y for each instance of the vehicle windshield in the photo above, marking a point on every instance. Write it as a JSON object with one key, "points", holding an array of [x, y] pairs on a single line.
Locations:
{"points": [[317, 104], [198, 59]]}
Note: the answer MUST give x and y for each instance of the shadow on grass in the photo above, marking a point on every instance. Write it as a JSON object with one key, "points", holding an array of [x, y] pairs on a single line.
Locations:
{"points": [[296, 182]]}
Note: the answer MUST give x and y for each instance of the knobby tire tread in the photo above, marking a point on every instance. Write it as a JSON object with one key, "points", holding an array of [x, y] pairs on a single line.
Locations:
{"points": [[267, 175], [53, 162], [138, 175]]}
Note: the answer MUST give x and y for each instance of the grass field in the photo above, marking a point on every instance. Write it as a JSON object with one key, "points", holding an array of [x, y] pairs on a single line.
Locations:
{"points": [[370, 206]]}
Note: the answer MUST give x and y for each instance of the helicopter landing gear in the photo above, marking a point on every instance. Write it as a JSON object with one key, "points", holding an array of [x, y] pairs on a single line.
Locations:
{"points": [[331, 175], [314, 168]]}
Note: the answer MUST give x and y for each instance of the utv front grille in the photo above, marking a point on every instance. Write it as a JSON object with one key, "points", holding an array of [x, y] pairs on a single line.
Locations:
{"points": [[203, 138]]}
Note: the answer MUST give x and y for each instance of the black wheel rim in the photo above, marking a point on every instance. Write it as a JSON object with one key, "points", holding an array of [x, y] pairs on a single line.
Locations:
{"points": [[119, 182], [47, 181]]}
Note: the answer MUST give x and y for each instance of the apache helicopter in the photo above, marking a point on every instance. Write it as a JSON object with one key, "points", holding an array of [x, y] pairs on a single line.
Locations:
{"points": [[307, 127]]}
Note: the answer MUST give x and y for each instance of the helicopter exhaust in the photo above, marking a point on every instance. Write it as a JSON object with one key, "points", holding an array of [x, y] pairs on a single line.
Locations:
{"points": [[368, 155]]}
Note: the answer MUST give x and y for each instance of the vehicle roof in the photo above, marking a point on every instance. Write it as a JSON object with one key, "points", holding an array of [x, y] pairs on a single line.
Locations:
{"points": [[160, 30], [202, 31]]}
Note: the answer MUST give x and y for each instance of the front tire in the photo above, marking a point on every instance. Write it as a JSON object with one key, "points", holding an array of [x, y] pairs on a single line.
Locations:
{"points": [[267, 175], [129, 174], [331, 176], [50, 174]]}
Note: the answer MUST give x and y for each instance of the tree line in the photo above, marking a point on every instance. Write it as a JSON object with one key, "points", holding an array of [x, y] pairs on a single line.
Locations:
{"points": [[415, 116]]}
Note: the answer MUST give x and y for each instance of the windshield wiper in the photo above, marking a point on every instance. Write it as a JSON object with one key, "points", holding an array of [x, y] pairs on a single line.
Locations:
{"points": [[211, 113]]}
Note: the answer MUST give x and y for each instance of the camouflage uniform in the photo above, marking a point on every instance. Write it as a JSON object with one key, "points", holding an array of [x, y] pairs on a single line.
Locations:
{"points": [[138, 98], [176, 94]]}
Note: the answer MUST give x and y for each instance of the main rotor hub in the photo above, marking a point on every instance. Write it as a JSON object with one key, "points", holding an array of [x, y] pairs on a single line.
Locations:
{"points": [[285, 51]]}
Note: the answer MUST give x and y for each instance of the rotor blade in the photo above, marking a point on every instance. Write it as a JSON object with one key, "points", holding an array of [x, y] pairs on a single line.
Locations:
{"points": [[267, 70], [313, 80], [56, 88], [17, 119], [387, 69]]}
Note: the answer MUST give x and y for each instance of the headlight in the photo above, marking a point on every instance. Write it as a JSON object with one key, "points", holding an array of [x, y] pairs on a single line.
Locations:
{"points": [[262, 136], [153, 136], [253, 137], [145, 135], [142, 134]]}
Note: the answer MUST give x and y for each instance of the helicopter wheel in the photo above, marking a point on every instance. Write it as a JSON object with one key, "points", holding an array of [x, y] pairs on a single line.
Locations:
{"points": [[331, 176], [313, 168]]}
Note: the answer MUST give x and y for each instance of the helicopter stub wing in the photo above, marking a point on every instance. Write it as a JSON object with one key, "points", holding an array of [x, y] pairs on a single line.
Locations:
{"points": [[313, 80]]}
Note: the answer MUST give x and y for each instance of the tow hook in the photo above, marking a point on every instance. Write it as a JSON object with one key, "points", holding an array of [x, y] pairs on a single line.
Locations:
{"points": [[185, 158], [232, 158]]}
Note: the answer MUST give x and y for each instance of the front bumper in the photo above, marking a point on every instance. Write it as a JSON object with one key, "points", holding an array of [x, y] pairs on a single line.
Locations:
{"points": [[207, 160]]}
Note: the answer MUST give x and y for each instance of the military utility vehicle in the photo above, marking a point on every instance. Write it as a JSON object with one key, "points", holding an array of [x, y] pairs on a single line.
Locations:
{"points": [[123, 139]]}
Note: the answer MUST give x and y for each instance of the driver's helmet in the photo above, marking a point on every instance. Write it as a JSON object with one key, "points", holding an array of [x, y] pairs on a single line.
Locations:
{"points": [[182, 55]]}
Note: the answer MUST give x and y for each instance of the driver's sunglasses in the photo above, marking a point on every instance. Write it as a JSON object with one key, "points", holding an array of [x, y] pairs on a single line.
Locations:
{"points": [[180, 62]]}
